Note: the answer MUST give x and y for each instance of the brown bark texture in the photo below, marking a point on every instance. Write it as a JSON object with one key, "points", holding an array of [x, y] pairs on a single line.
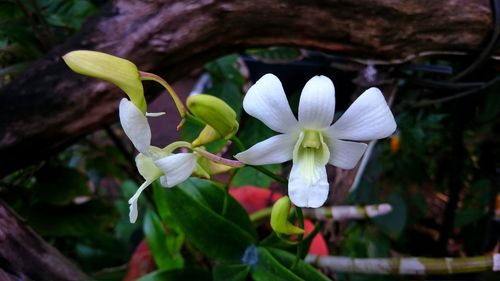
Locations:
{"points": [[25, 256], [48, 107]]}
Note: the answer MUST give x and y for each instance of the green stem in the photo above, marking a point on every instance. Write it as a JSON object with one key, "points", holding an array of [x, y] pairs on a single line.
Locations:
{"points": [[300, 218], [240, 146], [406, 266], [270, 174], [261, 215], [146, 76], [226, 194]]}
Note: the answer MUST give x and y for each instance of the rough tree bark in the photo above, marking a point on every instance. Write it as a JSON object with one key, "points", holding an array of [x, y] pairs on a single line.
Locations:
{"points": [[25, 256], [48, 107]]}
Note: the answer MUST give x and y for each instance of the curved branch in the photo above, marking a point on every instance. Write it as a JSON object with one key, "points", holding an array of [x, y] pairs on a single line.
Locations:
{"points": [[48, 107]]}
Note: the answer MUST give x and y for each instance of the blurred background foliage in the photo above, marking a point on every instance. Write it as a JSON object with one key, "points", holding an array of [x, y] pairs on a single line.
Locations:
{"points": [[443, 154]]}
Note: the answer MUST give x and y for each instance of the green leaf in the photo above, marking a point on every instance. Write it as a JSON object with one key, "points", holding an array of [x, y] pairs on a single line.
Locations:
{"points": [[60, 185], [196, 206], [214, 196], [72, 220], [394, 222], [178, 274], [303, 270], [230, 272], [230, 93], [227, 81], [268, 268], [165, 247], [251, 176], [276, 54], [253, 131]]}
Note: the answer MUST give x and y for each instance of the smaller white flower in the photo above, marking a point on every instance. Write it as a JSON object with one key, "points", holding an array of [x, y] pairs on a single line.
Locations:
{"points": [[152, 162], [312, 142]]}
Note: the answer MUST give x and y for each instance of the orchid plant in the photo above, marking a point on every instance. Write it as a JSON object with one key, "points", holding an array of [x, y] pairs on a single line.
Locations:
{"points": [[311, 142]]}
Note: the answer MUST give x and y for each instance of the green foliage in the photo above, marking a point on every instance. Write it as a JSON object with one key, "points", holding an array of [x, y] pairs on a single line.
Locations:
{"points": [[177, 274], [60, 185], [197, 208], [227, 81], [251, 176], [276, 54], [164, 246], [30, 28]]}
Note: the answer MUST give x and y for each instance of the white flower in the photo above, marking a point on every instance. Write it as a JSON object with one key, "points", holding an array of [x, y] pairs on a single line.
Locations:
{"points": [[152, 162], [311, 142]]}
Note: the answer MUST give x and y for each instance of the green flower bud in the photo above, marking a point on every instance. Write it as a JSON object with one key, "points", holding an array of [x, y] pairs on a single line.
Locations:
{"points": [[279, 218], [207, 135], [118, 71], [215, 113]]}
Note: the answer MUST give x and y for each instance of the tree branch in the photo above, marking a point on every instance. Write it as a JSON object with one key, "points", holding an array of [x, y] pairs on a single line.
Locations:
{"points": [[25, 256], [48, 107]]}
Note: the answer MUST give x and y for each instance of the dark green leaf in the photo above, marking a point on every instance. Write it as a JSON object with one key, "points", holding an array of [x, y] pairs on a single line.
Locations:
{"points": [[196, 206], [60, 185], [267, 268], [178, 274], [214, 196], [303, 270], [230, 272], [276, 54], [394, 222], [164, 246], [254, 131], [72, 220], [251, 176]]}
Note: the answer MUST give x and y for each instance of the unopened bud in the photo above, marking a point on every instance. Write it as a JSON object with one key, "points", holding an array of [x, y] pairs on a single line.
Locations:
{"points": [[207, 135], [118, 71], [215, 113], [279, 218]]}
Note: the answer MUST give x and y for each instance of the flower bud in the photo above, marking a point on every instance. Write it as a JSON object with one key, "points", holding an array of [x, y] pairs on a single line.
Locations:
{"points": [[279, 218], [207, 135], [118, 71], [215, 113]]}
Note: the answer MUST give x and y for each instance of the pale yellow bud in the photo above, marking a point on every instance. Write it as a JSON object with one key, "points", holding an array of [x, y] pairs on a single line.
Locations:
{"points": [[279, 218], [215, 113], [118, 71]]}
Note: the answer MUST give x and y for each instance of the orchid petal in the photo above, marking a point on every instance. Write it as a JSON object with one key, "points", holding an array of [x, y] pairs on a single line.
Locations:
{"points": [[266, 101], [133, 211], [368, 118], [177, 168], [276, 149], [345, 154], [308, 182], [317, 103], [147, 168], [305, 192], [135, 125]]}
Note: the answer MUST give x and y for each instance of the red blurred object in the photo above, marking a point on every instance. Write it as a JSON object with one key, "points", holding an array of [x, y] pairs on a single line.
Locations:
{"points": [[255, 198], [318, 244], [141, 262]]}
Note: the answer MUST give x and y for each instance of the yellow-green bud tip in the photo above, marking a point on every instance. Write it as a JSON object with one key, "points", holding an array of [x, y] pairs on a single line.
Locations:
{"points": [[118, 71], [279, 218], [215, 113]]}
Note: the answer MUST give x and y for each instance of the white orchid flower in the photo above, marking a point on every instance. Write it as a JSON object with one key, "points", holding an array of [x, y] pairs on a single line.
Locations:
{"points": [[312, 142], [152, 162]]}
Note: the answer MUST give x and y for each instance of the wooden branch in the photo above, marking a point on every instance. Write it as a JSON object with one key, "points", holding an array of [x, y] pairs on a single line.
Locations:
{"points": [[25, 256], [48, 107]]}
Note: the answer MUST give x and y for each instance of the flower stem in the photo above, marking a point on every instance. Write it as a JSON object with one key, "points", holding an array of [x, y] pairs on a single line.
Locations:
{"points": [[153, 77], [240, 146], [300, 218], [219, 159]]}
